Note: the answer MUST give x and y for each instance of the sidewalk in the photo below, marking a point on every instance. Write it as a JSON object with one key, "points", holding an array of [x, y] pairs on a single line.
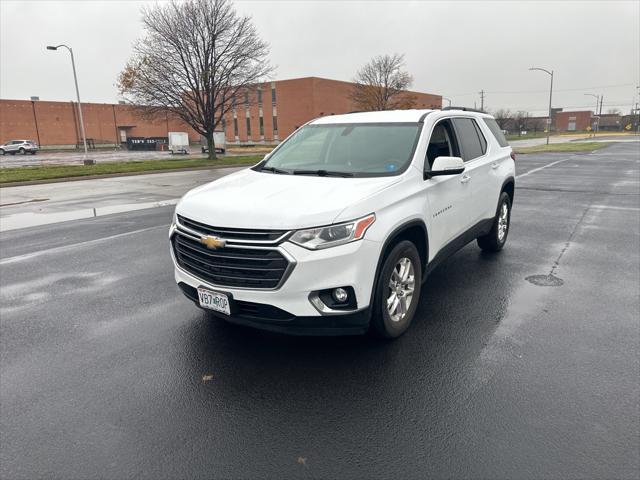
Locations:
{"points": [[31, 205]]}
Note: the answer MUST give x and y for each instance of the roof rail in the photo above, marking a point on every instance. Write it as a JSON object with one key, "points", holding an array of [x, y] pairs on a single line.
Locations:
{"points": [[464, 109]]}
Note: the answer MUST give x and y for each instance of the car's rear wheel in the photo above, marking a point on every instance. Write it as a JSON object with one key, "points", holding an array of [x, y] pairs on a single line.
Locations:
{"points": [[397, 291], [22, 151], [497, 236], [1, 151]]}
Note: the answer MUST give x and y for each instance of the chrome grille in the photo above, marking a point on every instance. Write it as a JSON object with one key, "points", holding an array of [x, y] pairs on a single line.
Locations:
{"points": [[236, 265]]}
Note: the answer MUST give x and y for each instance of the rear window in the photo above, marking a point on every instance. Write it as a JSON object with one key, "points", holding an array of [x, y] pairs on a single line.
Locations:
{"points": [[497, 132]]}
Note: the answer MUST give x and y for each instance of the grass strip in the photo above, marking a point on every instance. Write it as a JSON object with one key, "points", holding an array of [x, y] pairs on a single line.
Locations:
{"points": [[563, 147], [50, 172]]}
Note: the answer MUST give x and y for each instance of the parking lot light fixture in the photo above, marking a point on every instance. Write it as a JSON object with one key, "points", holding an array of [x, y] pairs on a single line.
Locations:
{"points": [[86, 160], [550, 73]]}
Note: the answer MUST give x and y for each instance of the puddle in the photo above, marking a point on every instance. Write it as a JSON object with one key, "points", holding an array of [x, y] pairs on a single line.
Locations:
{"points": [[31, 219]]}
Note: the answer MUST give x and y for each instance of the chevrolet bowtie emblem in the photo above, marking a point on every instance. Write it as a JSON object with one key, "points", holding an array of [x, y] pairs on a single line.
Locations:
{"points": [[212, 242]]}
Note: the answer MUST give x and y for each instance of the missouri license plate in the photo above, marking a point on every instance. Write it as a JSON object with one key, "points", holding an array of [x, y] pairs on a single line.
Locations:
{"points": [[218, 302]]}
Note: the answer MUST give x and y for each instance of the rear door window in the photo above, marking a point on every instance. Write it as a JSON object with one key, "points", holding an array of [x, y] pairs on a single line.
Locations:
{"points": [[468, 138], [497, 132]]}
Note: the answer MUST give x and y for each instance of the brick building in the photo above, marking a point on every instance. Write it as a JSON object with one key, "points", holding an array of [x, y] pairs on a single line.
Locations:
{"points": [[57, 123], [268, 114], [574, 121]]}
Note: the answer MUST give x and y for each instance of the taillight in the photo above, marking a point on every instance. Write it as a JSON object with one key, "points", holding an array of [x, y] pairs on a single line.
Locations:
{"points": [[513, 155]]}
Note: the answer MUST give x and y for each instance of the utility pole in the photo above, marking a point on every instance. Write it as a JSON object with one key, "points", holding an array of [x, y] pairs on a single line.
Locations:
{"points": [[482, 100], [595, 112], [601, 99]]}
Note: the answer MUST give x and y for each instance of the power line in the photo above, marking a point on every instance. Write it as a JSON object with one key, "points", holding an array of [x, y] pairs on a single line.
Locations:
{"points": [[542, 91]]}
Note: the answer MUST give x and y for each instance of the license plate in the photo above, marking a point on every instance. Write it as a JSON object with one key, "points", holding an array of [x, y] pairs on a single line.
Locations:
{"points": [[214, 301]]}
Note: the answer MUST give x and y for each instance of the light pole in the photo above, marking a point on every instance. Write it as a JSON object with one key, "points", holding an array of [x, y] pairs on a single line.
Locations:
{"points": [[550, 95], [595, 112], [87, 161], [447, 99]]}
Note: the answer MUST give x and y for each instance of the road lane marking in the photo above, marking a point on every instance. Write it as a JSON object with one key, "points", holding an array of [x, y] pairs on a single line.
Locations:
{"points": [[65, 248], [543, 167], [623, 209]]}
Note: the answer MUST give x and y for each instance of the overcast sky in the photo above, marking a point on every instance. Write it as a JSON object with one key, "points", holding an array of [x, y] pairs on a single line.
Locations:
{"points": [[453, 48]]}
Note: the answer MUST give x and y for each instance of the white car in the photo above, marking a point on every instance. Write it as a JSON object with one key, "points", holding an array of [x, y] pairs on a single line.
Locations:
{"points": [[335, 231], [19, 146]]}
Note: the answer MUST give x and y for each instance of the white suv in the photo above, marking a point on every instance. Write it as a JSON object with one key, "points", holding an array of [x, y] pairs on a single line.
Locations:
{"points": [[19, 146], [335, 231]]}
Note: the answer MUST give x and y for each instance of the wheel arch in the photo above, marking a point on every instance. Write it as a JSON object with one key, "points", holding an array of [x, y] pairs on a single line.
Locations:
{"points": [[414, 231], [509, 186]]}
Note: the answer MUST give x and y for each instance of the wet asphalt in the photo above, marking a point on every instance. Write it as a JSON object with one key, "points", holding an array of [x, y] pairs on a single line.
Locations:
{"points": [[107, 371]]}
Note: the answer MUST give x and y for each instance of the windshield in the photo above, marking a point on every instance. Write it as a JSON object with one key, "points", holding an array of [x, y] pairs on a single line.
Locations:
{"points": [[364, 149]]}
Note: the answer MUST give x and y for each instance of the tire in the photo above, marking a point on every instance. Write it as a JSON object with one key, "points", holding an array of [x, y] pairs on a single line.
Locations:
{"points": [[22, 151], [391, 324], [1, 151], [495, 240]]}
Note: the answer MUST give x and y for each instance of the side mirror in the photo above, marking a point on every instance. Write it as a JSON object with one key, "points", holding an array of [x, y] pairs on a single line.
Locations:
{"points": [[445, 166]]}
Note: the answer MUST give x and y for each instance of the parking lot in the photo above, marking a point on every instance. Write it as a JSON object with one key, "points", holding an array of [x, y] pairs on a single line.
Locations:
{"points": [[107, 371]]}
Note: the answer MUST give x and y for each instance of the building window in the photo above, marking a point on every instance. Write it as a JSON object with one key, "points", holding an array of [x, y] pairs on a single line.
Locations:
{"points": [[246, 98], [248, 127], [275, 125], [259, 96], [261, 127], [273, 95], [235, 127]]}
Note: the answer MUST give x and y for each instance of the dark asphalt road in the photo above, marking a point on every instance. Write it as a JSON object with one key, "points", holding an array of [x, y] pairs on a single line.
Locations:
{"points": [[102, 359]]}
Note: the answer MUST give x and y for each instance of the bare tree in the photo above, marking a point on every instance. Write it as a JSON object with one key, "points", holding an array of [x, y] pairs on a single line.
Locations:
{"points": [[613, 111], [381, 84], [520, 120], [196, 57], [503, 117]]}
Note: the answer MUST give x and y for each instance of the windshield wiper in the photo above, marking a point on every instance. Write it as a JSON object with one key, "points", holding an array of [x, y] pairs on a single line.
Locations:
{"points": [[274, 170], [323, 173]]}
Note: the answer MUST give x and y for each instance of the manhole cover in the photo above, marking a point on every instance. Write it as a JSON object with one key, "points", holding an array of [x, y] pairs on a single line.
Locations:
{"points": [[545, 280]]}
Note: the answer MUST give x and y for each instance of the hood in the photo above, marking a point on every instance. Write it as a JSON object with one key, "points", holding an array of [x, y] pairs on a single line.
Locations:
{"points": [[249, 199]]}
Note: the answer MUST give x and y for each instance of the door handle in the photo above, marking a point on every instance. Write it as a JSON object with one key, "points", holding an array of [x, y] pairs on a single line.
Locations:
{"points": [[495, 165], [465, 178]]}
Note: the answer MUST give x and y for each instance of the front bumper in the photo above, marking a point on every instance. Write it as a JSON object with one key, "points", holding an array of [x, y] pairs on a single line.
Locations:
{"points": [[288, 307], [266, 317]]}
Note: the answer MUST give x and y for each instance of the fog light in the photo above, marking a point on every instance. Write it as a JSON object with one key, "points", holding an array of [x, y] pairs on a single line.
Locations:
{"points": [[340, 295]]}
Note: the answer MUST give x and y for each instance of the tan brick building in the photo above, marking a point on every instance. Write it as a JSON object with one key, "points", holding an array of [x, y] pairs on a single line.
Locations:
{"points": [[268, 114]]}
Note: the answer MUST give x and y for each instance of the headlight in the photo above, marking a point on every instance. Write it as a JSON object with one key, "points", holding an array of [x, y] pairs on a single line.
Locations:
{"points": [[332, 235]]}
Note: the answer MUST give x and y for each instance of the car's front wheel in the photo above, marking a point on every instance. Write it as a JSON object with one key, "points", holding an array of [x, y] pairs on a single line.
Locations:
{"points": [[397, 291], [497, 236], [1, 151], [22, 151]]}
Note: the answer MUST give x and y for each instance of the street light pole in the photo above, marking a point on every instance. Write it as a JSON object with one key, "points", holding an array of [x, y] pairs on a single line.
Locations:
{"points": [[86, 160], [595, 112], [550, 73]]}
